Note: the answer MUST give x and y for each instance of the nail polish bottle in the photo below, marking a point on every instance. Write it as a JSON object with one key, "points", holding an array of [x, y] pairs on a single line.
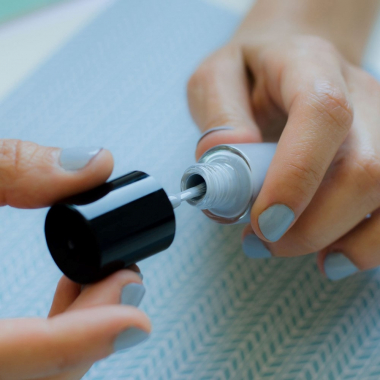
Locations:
{"points": [[233, 176]]}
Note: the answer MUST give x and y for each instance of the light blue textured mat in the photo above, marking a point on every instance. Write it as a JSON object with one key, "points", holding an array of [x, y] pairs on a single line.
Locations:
{"points": [[216, 314]]}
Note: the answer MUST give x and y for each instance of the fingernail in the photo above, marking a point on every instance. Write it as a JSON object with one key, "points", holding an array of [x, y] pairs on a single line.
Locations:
{"points": [[338, 266], [254, 248], [130, 338], [132, 294], [223, 128], [77, 158], [140, 275], [275, 221]]}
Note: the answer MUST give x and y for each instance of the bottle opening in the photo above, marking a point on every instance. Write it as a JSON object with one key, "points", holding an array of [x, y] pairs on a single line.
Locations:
{"points": [[227, 177], [195, 180]]}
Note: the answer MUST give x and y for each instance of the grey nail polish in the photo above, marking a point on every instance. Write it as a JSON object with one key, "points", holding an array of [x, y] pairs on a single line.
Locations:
{"points": [[140, 275], [275, 221], [130, 338], [222, 128], [132, 294], [77, 158], [254, 248], [338, 266]]}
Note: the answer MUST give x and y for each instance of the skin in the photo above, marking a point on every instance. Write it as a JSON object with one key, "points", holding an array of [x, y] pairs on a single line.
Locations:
{"points": [[82, 324], [290, 74]]}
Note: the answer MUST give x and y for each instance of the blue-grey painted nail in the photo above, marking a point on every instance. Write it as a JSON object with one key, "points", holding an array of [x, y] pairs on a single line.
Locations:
{"points": [[275, 221], [254, 248], [77, 158], [338, 266], [140, 275], [132, 294], [130, 338], [223, 128]]}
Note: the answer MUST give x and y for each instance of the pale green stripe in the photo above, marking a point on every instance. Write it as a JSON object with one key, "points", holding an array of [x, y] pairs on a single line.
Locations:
{"points": [[12, 8]]}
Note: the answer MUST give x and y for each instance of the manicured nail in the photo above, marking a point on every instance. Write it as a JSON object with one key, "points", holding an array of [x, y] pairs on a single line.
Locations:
{"points": [[140, 275], [77, 158], [223, 128], [275, 221], [130, 338], [338, 266], [254, 248], [132, 294]]}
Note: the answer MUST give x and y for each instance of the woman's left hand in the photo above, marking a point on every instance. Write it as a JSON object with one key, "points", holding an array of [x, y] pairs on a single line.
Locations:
{"points": [[84, 325]]}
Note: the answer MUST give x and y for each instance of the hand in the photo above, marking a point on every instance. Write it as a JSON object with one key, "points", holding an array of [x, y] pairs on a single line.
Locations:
{"points": [[85, 325], [280, 83]]}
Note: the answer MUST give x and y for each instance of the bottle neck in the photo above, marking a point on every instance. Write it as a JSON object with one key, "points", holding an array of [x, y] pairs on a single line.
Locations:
{"points": [[220, 182], [228, 183]]}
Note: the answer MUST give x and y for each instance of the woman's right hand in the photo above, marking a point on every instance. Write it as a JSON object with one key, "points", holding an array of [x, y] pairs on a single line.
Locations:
{"points": [[84, 325], [288, 75]]}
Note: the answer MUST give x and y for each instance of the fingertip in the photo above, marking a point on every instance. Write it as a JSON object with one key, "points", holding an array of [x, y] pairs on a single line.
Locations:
{"points": [[338, 266], [71, 182], [95, 171], [103, 162]]}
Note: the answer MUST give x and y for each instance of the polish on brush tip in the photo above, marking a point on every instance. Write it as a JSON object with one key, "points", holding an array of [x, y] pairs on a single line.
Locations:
{"points": [[193, 192]]}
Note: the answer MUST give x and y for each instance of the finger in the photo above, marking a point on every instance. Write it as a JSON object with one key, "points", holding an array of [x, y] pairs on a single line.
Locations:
{"points": [[67, 341], [350, 189], [318, 105], [66, 293], [357, 251], [348, 193], [34, 176], [219, 96], [253, 246], [124, 287]]}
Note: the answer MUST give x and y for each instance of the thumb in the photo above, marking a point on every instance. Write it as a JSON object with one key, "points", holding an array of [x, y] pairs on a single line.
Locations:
{"points": [[34, 176], [219, 101], [68, 341]]}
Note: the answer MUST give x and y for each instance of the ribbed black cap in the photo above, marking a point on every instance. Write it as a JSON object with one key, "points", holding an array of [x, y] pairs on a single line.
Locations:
{"points": [[110, 227]]}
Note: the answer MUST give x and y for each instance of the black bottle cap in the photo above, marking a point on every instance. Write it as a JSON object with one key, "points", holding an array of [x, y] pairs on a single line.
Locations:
{"points": [[110, 227]]}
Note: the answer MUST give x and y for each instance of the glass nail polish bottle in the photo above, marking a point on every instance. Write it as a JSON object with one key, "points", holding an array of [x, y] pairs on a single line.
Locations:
{"points": [[233, 176]]}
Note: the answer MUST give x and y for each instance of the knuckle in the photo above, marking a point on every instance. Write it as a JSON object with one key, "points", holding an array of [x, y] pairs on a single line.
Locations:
{"points": [[213, 69], [206, 76], [62, 358], [198, 79], [309, 241], [64, 362], [303, 177], [297, 243], [9, 159], [315, 44], [14, 154], [14, 158], [361, 172], [332, 106], [366, 170]]}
